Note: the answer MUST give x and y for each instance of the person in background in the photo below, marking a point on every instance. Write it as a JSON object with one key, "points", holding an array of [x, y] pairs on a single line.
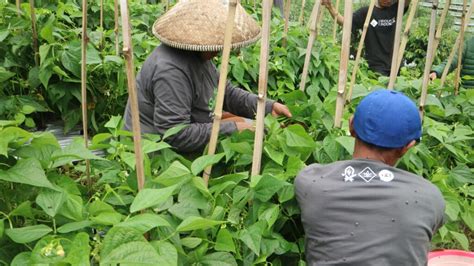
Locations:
{"points": [[364, 211], [177, 83], [380, 33], [467, 65]]}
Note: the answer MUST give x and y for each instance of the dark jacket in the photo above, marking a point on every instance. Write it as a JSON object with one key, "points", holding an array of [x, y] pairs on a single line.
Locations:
{"points": [[467, 64]]}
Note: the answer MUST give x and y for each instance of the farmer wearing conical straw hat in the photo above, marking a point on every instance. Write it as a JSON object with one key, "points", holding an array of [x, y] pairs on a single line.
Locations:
{"points": [[178, 81]]}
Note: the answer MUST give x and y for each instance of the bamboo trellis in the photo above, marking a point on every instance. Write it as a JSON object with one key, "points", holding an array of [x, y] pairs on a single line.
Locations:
{"points": [[18, 9], [221, 86], [116, 26], [34, 32], [334, 29], [132, 94], [312, 36], [460, 50], [396, 44], [359, 50], [439, 30], [346, 42], [301, 18], [287, 21], [456, 46], [84, 41], [429, 57], [406, 32], [262, 87]]}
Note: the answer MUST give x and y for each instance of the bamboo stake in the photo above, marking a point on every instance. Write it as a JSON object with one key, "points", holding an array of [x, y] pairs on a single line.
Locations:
{"points": [[429, 58], [301, 18], [406, 32], [396, 44], [167, 5], [439, 30], [460, 50], [346, 42], [132, 94], [262, 87], [34, 32], [18, 8], [312, 37], [222, 83], [85, 40], [334, 29], [456, 46], [287, 20], [116, 27], [359, 49], [101, 24]]}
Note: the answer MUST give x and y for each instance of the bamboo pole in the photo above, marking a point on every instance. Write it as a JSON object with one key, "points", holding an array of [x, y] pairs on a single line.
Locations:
{"points": [[262, 87], [222, 83], [396, 44], [359, 49], [84, 42], [460, 50], [101, 24], [346, 42], [116, 27], [301, 18], [439, 30], [287, 20], [34, 32], [18, 8], [456, 46], [334, 28], [429, 58], [132, 94], [312, 36], [406, 32]]}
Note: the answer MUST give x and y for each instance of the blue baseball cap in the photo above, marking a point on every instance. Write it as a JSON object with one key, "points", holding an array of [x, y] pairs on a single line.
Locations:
{"points": [[387, 119]]}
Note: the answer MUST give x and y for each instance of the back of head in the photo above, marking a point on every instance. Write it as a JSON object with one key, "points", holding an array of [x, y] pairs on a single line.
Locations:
{"points": [[387, 119], [199, 25]]}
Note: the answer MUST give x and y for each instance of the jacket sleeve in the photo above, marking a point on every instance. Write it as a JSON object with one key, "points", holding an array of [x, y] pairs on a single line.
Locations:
{"points": [[173, 92], [243, 103]]}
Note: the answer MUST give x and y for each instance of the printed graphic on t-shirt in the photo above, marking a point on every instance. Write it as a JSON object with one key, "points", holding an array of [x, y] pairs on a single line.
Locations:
{"points": [[367, 174], [383, 22]]}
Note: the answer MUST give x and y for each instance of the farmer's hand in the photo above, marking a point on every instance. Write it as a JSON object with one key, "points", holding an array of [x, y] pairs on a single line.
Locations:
{"points": [[433, 76], [279, 109], [241, 126]]}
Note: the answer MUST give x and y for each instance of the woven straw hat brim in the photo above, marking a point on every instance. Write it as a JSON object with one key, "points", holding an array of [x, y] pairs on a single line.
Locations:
{"points": [[199, 25]]}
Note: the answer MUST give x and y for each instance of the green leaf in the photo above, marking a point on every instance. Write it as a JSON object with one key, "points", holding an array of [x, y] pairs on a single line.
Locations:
{"points": [[74, 226], [467, 216], [50, 201], [276, 156], [175, 173], [70, 59], [224, 241], [461, 239], [191, 242], [2, 227], [72, 208], [27, 171], [47, 30], [196, 223], [22, 259], [92, 55], [144, 222], [24, 210], [44, 75], [204, 161], [151, 146], [346, 142], [270, 215], [296, 136], [73, 152], [4, 34], [150, 197], [218, 259], [80, 250], [252, 236], [5, 74], [452, 208], [123, 245], [267, 187], [12, 135], [28, 234], [173, 131], [167, 253]]}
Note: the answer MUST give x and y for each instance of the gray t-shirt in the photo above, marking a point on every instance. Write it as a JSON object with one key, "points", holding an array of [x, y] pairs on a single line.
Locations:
{"points": [[364, 212], [177, 87]]}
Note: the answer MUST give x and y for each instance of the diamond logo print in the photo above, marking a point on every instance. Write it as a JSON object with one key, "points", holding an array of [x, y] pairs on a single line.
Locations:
{"points": [[367, 174], [374, 23]]}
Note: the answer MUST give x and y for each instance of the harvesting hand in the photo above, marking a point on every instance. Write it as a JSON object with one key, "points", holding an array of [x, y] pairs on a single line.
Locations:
{"points": [[241, 126], [433, 76], [279, 109]]}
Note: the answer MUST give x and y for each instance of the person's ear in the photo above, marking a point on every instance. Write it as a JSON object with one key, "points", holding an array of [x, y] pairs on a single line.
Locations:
{"points": [[407, 147], [351, 127]]}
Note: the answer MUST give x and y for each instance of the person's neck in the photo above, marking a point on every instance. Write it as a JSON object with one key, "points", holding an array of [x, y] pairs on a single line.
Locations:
{"points": [[361, 151]]}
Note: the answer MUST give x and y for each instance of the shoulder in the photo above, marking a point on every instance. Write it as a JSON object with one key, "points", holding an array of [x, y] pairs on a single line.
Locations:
{"points": [[315, 170], [361, 11], [430, 190]]}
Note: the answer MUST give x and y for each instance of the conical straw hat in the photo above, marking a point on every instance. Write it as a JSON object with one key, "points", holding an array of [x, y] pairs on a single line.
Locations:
{"points": [[199, 25]]}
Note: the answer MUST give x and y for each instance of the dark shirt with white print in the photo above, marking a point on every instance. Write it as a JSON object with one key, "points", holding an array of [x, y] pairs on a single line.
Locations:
{"points": [[380, 36]]}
